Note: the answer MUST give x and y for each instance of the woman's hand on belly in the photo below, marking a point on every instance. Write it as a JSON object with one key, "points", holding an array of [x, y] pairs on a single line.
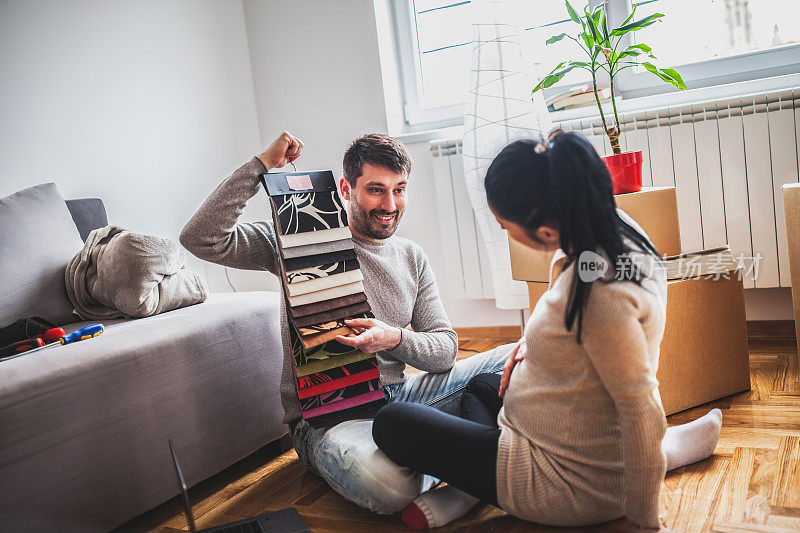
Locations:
{"points": [[516, 355]]}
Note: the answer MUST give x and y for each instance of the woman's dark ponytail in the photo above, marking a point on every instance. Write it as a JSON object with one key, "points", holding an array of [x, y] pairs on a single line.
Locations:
{"points": [[562, 180]]}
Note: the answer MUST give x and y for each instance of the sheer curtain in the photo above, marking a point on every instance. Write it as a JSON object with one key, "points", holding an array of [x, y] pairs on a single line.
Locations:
{"points": [[499, 110]]}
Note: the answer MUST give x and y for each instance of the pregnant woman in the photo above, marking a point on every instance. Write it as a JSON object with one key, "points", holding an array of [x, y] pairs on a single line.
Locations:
{"points": [[576, 438]]}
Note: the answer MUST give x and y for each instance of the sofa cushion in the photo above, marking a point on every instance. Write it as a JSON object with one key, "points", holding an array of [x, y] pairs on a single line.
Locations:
{"points": [[37, 239], [88, 214]]}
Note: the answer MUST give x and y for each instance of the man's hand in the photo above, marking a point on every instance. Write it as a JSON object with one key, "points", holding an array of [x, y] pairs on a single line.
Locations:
{"points": [[517, 354], [376, 336], [282, 151]]}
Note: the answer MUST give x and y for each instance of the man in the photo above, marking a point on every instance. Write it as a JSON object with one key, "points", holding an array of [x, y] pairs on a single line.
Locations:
{"points": [[400, 288]]}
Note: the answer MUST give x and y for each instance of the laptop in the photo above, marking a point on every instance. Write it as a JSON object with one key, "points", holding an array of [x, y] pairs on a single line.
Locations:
{"points": [[283, 521]]}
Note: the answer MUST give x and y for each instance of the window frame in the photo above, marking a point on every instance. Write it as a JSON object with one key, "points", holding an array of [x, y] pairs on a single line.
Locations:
{"points": [[632, 83], [414, 117]]}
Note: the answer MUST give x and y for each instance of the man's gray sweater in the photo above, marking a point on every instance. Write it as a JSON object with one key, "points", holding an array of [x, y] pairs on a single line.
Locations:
{"points": [[399, 283]]}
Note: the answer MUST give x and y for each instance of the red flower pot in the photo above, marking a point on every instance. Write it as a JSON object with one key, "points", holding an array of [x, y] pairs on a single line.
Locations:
{"points": [[626, 171]]}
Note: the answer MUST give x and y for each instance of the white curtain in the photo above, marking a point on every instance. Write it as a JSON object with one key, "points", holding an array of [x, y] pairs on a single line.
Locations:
{"points": [[499, 110]]}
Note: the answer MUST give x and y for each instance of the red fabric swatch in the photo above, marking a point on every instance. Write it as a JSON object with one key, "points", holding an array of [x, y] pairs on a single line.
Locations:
{"points": [[338, 383]]}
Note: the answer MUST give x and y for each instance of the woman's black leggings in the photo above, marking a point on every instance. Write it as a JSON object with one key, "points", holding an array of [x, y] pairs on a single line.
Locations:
{"points": [[461, 451]]}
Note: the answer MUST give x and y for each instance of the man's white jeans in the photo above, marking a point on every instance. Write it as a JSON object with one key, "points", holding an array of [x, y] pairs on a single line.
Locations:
{"points": [[346, 457]]}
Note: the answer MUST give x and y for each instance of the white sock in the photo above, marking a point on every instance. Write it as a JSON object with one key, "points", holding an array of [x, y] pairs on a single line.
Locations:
{"points": [[437, 508], [692, 442]]}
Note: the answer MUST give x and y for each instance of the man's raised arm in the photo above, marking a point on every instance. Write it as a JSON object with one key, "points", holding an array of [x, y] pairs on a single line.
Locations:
{"points": [[215, 234]]}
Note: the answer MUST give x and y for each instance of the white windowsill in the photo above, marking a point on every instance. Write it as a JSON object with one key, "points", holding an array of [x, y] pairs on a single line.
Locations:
{"points": [[659, 101]]}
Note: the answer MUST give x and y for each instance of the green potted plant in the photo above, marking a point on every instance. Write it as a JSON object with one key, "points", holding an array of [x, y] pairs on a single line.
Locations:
{"points": [[601, 46]]}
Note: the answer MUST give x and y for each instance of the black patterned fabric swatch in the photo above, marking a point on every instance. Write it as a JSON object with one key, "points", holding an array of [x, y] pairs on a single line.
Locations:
{"points": [[365, 410], [341, 394], [306, 261], [304, 212], [321, 271], [304, 356], [337, 373], [327, 326]]}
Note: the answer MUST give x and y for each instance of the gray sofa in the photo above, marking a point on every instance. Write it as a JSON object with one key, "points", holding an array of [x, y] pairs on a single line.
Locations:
{"points": [[84, 427]]}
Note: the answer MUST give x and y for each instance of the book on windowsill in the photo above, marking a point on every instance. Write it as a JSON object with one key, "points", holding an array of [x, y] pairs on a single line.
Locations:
{"points": [[583, 99], [565, 93]]}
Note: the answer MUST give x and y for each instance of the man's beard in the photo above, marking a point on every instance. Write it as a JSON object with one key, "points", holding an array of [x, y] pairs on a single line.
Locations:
{"points": [[365, 223]]}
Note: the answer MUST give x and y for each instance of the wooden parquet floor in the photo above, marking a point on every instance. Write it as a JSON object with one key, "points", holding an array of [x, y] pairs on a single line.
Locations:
{"points": [[750, 484]]}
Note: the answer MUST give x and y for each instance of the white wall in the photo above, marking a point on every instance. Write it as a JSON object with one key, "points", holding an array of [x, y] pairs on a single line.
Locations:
{"points": [[317, 73], [146, 104]]}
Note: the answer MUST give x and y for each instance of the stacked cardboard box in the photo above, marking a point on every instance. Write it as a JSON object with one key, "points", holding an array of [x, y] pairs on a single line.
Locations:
{"points": [[791, 210], [704, 352], [323, 286]]}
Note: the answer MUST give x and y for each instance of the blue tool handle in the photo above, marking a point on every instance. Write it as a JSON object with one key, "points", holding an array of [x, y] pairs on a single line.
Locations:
{"points": [[86, 332]]}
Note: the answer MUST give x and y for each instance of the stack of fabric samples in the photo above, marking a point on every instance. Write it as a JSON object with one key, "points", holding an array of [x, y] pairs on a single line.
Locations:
{"points": [[323, 286]]}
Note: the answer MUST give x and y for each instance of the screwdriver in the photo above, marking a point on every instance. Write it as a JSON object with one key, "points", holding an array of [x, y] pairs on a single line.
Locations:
{"points": [[86, 332], [37, 341], [51, 335], [21, 346]]}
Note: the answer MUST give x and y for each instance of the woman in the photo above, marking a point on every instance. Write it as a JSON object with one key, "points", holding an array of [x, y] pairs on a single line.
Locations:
{"points": [[578, 436]]}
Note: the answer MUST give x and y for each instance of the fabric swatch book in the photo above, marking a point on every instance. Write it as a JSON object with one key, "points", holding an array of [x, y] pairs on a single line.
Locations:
{"points": [[337, 378], [324, 351], [334, 314], [328, 305], [314, 237], [364, 410], [326, 294], [323, 286], [313, 261], [344, 403], [322, 270], [349, 392], [316, 248], [324, 282], [314, 211]]}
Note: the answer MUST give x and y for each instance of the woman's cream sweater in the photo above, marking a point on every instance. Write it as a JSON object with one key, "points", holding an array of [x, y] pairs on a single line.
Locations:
{"points": [[582, 424]]}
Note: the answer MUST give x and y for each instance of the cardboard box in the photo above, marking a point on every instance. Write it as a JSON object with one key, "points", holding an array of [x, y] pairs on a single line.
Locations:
{"points": [[535, 291], [655, 209], [791, 210], [704, 353]]}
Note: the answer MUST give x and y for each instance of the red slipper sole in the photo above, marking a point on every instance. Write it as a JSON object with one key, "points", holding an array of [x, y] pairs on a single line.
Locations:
{"points": [[413, 517]]}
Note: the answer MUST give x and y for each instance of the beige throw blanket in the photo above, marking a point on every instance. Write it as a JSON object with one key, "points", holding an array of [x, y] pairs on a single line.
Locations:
{"points": [[119, 273]]}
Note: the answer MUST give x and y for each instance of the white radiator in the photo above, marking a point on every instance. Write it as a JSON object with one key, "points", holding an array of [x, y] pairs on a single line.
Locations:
{"points": [[468, 271], [727, 159]]}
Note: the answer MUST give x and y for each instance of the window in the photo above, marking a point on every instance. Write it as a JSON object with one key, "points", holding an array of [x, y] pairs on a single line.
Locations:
{"points": [[731, 40], [435, 41]]}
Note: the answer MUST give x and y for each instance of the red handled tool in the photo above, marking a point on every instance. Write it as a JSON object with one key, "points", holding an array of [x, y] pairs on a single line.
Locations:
{"points": [[51, 335], [21, 346]]}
